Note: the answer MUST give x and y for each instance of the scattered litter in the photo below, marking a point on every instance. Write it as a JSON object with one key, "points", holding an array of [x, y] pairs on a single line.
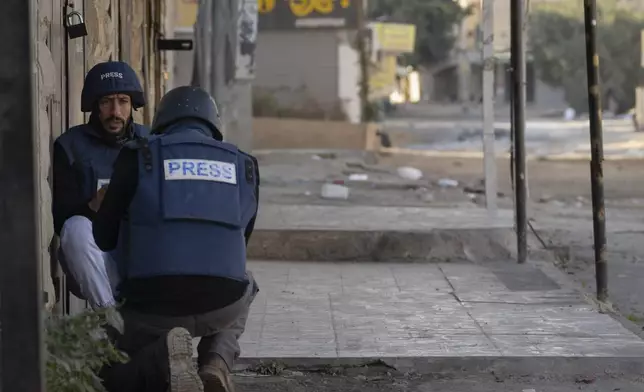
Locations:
{"points": [[529, 390], [447, 183], [427, 197], [570, 114], [307, 193], [358, 177], [410, 173], [558, 203], [335, 191], [338, 182], [316, 158]]}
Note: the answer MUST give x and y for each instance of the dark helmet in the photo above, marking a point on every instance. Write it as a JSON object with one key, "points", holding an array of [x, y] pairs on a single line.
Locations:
{"points": [[187, 102], [112, 77]]}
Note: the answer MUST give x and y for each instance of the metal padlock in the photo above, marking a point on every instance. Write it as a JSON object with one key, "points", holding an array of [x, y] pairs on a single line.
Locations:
{"points": [[75, 30]]}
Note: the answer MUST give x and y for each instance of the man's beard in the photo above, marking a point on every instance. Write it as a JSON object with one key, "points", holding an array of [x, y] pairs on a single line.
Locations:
{"points": [[109, 120]]}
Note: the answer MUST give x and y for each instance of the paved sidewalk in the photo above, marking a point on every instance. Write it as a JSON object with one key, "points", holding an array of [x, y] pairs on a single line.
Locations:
{"points": [[433, 317]]}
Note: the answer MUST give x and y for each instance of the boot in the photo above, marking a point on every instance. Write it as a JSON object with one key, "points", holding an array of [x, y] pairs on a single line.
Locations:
{"points": [[216, 376], [183, 372]]}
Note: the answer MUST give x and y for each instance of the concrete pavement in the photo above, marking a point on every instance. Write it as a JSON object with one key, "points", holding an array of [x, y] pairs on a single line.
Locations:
{"points": [[470, 318]]}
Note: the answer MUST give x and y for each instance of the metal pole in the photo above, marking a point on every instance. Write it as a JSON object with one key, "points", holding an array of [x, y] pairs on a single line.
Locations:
{"points": [[518, 125], [489, 65], [21, 340], [364, 62], [597, 146], [219, 55]]}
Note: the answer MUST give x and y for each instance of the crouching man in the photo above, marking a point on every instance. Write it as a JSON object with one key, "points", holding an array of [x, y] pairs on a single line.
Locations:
{"points": [[82, 165], [178, 213]]}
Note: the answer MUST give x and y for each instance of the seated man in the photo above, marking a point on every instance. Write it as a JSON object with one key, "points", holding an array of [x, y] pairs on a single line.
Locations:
{"points": [[179, 211], [82, 165]]}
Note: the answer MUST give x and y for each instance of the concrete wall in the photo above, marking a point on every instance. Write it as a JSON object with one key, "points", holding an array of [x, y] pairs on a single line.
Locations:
{"points": [[297, 66], [349, 78], [183, 63], [279, 133]]}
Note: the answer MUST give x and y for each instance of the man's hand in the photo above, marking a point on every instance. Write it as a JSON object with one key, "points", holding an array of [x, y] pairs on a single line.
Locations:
{"points": [[96, 202]]}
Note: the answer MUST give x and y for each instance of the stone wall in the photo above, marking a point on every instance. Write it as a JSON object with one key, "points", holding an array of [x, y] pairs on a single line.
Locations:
{"points": [[284, 133]]}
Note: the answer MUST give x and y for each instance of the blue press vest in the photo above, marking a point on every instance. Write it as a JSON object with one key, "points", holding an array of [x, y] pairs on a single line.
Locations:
{"points": [[194, 199], [92, 157]]}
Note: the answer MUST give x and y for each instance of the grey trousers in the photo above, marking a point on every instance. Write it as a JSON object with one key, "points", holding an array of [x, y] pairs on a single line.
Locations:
{"points": [[219, 330]]}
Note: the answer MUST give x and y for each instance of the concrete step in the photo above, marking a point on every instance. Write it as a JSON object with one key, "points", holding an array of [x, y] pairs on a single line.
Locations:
{"points": [[367, 233]]}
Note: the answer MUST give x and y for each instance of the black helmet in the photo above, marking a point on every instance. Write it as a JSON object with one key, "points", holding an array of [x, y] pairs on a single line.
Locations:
{"points": [[108, 78], [187, 102]]}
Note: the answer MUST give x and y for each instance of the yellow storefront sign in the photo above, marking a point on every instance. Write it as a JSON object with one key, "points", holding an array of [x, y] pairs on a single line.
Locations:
{"points": [[265, 6], [395, 37], [383, 78], [186, 13], [303, 8]]}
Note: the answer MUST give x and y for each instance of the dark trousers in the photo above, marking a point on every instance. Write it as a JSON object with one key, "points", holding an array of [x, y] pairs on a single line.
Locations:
{"points": [[144, 341]]}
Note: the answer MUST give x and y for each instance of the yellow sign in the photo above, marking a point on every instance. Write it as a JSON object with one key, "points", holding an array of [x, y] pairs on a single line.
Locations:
{"points": [[303, 8], [382, 80], [186, 13], [395, 37], [264, 6]]}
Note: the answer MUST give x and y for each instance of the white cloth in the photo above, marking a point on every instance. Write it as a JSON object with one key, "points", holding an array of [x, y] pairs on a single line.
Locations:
{"points": [[94, 270]]}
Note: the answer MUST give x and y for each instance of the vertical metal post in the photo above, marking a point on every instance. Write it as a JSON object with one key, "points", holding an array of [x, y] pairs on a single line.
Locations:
{"points": [[21, 298], [596, 148], [219, 54], [203, 34], [518, 125], [364, 62], [489, 67]]}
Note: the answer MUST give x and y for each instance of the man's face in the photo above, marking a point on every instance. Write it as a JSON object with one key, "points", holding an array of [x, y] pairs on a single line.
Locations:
{"points": [[114, 112]]}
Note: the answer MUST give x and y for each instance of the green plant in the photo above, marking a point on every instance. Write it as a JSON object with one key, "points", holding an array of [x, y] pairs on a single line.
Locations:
{"points": [[557, 44], [77, 348]]}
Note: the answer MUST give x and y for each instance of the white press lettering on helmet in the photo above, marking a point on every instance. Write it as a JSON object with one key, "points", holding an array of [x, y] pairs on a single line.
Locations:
{"points": [[107, 75]]}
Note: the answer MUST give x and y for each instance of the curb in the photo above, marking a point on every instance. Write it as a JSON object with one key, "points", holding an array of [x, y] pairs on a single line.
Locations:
{"points": [[437, 245], [499, 366]]}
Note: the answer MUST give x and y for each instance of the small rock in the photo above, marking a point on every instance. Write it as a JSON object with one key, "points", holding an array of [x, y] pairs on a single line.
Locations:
{"points": [[358, 177], [559, 203], [544, 198], [410, 173], [447, 183], [335, 191], [569, 114], [427, 197]]}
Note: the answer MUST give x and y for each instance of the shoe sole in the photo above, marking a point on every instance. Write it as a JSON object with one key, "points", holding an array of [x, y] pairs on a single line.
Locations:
{"points": [[183, 373]]}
